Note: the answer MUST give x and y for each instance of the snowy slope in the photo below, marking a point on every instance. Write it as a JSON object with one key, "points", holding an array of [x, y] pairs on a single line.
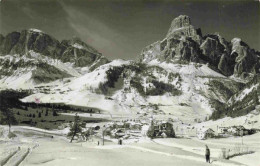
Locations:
{"points": [[29, 70], [191, 80], [187, 69], [65, 67], [92, 80]]}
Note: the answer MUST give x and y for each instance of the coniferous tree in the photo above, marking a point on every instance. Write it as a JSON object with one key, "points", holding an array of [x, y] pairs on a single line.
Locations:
{"points": [[54, 113], [46, 113], [75, 127], [7, 117]]}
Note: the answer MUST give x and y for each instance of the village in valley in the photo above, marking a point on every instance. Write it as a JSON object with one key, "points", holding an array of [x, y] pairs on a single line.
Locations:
{"points": [[226, 141], [230, 140], [133, 129], [129, 83]]}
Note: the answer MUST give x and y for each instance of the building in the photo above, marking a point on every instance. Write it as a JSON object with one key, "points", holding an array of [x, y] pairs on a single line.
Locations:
{"points": [[161, 129], [118, 133], [222, 130], [205, 133], [238, 130]]}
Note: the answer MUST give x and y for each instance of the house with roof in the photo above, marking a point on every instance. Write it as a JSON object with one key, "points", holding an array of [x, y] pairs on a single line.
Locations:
{"points": [[204, 133], [118, 133], [222, 130]]}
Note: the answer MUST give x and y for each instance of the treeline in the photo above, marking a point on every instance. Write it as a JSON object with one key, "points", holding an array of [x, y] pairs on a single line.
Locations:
{"points": [[11, 99], [114, 73], [159, 88], [60, 106]]}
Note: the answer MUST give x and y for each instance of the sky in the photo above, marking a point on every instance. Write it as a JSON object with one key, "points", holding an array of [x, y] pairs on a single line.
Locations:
{"points": [[121, 29]]}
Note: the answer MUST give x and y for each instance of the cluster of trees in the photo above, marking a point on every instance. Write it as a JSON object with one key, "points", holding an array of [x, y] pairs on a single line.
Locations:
{"points": [[7, 116], [159, 88], [114, 73], [9, 99], [54, 113], [57, 106]]}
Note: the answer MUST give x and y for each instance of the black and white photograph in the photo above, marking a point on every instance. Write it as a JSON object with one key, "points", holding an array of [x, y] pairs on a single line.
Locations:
{"points": [[129, 82]]}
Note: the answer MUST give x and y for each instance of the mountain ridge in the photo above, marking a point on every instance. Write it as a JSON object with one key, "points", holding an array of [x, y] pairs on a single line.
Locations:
{"points": [[186, 73], [74, 50], [184, 44]]}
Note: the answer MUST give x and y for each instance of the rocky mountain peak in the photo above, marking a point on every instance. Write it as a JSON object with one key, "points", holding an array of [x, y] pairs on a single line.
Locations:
{"points": [[184, 44], [33, 30], [77, 43], [74, 50], [180, 22], [181, 27]]}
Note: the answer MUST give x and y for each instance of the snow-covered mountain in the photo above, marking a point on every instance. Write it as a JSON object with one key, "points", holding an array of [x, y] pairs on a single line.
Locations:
{"points": [[187, 75], [33, 57], [185, 44], [74, 51]]}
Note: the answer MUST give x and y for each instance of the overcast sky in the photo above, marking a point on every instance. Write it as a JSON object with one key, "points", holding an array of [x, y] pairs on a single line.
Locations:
{"points": [[121, 29]]}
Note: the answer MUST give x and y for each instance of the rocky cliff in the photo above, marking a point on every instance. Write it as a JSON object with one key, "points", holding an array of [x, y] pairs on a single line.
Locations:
{"points": [[74, 50], [183, 44]]}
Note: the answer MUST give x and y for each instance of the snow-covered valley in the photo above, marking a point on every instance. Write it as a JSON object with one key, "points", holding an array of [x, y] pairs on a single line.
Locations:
{"points": [[181, 93]]}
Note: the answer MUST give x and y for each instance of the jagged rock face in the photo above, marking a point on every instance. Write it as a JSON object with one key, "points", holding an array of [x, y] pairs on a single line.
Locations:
{"points": [[172, 50], [81, 54], [181, 26], [38, 42], [212, 49], [179, 22], [180, 45], [74, 50], [246, 59], [216, 52], [184, 43], [77, 43], [225, 65], [101, 61], [80, 57], [151, 52], [184, 50]]}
